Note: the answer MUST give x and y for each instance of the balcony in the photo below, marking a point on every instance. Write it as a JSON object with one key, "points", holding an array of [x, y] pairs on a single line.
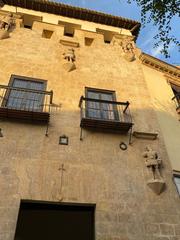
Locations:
{"points": [[105, 116], [176, 99], [23, 104]]}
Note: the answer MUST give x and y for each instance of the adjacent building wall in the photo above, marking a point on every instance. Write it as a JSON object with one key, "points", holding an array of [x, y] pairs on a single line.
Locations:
{"points": [[161, 98]]}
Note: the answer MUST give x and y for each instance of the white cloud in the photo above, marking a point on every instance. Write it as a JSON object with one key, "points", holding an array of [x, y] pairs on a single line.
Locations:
{"points": [[148, 39], [157, 51]]}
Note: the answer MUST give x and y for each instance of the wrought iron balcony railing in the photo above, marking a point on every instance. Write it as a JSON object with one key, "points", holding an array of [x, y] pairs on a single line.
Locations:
{"points": [[105, 115], [25, 104], [176, 99]]}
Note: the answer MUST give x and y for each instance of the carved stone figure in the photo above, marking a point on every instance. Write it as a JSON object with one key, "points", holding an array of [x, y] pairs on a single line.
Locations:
{"points": [[152, 158], [154, 163], [128, 49], [70, 57], [127, 46], [5, 25], [6, 22]]}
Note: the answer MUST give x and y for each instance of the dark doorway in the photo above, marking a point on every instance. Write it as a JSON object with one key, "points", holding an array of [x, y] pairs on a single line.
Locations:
{"points": [[55, 221]]}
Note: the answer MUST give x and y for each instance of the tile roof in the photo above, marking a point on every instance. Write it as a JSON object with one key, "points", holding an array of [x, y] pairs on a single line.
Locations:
{"points": [[77, 12]]}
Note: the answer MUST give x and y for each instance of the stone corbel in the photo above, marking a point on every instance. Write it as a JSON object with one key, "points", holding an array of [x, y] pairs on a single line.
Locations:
{"points": [[19, 22], [145, 135], [154, 163]]}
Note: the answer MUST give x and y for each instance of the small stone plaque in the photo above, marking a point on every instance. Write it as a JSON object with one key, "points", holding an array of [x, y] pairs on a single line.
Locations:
{"points": [[63, 140]]}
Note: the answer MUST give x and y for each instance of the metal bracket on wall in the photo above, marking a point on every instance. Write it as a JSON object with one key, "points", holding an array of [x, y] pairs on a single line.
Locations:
{"points": [[130, 136], [1, 134], [81, 134], [47, 130]]}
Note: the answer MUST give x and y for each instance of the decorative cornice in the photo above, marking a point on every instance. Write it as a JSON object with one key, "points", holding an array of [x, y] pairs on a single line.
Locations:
{"points": [[160, 65], [77, 12], [170, 79]]}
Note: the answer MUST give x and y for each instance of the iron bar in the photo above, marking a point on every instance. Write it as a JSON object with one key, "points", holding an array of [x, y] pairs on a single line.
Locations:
{"points": [[102, 101], [27, 90], [111, 111], [25, 99]]}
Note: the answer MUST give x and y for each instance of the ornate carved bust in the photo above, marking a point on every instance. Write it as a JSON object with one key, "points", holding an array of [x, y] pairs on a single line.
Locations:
{"points": [[128, 49], [69, 55], [6, 22]]}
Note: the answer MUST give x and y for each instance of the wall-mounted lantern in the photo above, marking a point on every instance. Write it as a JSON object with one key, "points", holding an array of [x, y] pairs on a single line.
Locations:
{"points": [[63, 140]]}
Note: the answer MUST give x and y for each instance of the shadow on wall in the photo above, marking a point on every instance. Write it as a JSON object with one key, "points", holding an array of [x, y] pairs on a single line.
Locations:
{"points": [[68, 123]]}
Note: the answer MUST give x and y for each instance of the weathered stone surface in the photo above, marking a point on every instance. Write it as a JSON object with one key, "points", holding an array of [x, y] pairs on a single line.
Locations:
{"points": [[152, 229], [69, 66], [177, 229], [3, 34], [166, 229], [97, 171]]}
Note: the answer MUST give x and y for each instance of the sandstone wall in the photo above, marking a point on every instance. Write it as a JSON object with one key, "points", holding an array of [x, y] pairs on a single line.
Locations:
{"points": [[97, 170]]}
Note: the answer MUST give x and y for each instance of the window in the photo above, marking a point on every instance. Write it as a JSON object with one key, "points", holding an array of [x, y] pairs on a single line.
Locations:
{"points": [[28, 20], [176, 91], [98, 105], [51, 221], [177, 182], [88, 41], [47, 34], [25, 94], [107, 35], [69, 28]]}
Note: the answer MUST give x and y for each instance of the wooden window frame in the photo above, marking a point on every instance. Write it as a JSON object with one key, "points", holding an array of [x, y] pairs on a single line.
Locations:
{"points": [[99, 90], [27, 79], [11, 81], [175, 175]]}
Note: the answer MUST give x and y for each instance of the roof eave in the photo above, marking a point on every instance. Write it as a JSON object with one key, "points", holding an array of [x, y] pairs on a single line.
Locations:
{"points": [[78, 13]]}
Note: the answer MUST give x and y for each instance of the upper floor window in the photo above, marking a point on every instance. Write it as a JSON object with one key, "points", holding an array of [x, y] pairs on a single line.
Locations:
{"points": [[99, 104], [107, 35], [69, 28], [176, 91], [47, 33], [28, 20], [25, 94], [177, 182], [176, 98], [101, 112], [25, 99]]}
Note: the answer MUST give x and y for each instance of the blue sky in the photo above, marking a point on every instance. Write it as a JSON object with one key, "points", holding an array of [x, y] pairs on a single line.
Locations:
{"points": [[122, 8]]}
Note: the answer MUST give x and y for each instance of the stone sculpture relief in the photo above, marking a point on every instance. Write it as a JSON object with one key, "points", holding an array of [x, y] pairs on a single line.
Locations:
{"points": [[6, 24], [128, 50], [154, 163], [70, 58], [126, 43]]}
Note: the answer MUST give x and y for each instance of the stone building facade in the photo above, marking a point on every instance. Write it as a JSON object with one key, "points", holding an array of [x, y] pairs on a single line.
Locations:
{"points": [[87, 120]]}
